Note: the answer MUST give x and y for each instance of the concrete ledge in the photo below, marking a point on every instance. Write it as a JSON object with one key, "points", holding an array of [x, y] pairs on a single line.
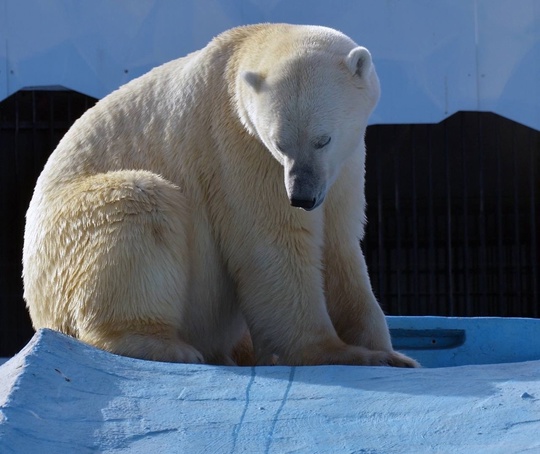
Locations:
{"points": [[59, 395]]}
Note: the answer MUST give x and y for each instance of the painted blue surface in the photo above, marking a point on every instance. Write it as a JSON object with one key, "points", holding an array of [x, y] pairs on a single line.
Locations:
{"points": [[433, 58], [59, 395], [457, 341]]}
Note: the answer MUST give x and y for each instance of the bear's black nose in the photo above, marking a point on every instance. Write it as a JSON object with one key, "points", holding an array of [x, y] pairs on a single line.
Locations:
{"points": [[302, 203]]}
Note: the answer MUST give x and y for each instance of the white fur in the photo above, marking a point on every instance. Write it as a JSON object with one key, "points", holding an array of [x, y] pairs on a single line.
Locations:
{"points": [[161, 227]]}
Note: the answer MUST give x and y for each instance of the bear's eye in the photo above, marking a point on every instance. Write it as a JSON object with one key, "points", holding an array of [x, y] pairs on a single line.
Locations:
{"points": [[321, 142]]}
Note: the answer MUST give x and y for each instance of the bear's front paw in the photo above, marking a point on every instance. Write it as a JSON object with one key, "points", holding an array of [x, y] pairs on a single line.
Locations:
{"points": [[340, 353], [394, 359]]}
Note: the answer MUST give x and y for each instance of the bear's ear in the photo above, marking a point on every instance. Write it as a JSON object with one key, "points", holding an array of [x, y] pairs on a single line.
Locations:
{"points": [[359, 61], [254, 80]]}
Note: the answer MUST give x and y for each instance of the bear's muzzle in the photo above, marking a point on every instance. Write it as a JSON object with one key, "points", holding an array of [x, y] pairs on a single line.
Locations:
{"points": [[307, 205]]}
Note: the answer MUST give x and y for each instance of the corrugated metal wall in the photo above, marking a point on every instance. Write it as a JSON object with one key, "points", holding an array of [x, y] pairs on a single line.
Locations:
{"points": [[453, 210]]}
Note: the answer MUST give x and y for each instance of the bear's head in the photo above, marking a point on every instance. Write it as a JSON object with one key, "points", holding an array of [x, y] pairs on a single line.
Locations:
{"points": [[308, 101]]}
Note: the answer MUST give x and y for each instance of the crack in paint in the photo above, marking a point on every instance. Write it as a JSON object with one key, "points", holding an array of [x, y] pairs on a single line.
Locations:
{"points": [[279, 410], [238, 426]]}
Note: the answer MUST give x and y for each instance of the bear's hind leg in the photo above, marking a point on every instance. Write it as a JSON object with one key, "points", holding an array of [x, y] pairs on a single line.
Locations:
{"points": [[151, 341], [126, 272]]}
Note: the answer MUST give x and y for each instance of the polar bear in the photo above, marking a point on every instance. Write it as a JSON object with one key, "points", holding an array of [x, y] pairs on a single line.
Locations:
{"points": [[214, 204]]}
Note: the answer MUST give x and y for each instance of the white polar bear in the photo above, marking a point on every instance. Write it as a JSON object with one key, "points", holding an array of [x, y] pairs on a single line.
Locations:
{"points": [[162, 226]]}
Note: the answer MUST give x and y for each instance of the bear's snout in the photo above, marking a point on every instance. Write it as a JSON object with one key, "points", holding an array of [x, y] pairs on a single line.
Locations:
{"points": [[302, 182], [306, 204]]}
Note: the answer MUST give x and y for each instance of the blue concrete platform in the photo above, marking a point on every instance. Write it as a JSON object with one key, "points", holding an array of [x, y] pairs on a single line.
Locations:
{"points": [[61, 396]]}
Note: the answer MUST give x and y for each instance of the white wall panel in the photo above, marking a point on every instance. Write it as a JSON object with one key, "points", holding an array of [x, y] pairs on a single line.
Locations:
{"points": [[433, 58]]}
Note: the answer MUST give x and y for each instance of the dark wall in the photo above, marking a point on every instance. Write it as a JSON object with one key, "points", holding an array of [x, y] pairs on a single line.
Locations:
{"points": [[31, 125], [453, 210]]}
